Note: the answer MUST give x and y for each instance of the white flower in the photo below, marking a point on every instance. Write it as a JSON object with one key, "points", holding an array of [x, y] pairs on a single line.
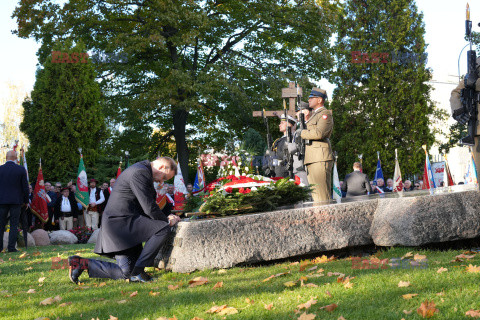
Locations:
{"points": [[254, 189], [246, 169]]}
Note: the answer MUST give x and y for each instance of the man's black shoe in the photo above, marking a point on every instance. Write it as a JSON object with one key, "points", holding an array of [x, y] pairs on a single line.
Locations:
{"points": [[141, 277], [75, 268], [15, 250]]}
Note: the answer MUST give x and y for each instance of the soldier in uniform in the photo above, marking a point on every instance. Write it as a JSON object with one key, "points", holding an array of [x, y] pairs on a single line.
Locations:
{"points": [[318, 151], [278, 147], [456, 103]]}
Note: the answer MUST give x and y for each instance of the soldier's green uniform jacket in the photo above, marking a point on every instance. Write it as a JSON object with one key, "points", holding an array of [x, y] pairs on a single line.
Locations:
{"points": [[319, 129]]}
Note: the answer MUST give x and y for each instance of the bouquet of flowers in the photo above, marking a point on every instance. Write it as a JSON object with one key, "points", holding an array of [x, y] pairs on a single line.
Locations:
{"points": [[232, 195], [82, 233]]}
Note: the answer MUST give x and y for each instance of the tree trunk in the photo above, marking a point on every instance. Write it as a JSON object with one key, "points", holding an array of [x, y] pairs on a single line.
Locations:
{"points": [[179, 123]]}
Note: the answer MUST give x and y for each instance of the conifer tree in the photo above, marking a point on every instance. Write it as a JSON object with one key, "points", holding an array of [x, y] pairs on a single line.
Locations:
{"points": [[382, 99], [63, 114]]}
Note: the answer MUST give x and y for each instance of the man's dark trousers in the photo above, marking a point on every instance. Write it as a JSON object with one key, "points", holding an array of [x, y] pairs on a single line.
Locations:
{"points": [[14, 210], [130, 258]]}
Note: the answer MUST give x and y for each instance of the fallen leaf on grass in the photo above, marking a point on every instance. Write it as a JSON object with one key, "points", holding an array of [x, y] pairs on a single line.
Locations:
{"points": [[102, 284], [328, 293], [462, 256], [247, 300], [112, 318], [216, 309], [307, 304], [330, 307], [323, 259], [407, 255], [198, 281], [311, 285], [419, 257], [218, 285], [23, 255], [305, 264], [31, 291], [222, 271], [340, 275], [427, 309], [473, 269], [27, 269], [294, 263], [122, 301], [341, 318], [41, 279], [407, 311], [290, 283], [36, 253], [409, 296], [197, 318], [172, 287], [268, 306], [50, 300], [133, 294], [348, 285], [473, 313], [403, 284], [312, 268], [65, 304], [153, 294], [305, 316], [228, 311], [442, 269]]}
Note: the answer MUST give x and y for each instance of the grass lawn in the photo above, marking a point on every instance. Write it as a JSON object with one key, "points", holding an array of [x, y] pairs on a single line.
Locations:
{"points": [[371, 294]]}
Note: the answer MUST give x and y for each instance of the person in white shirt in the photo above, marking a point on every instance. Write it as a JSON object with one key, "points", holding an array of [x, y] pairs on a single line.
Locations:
{"points": [[93, 211], [66, 210]]}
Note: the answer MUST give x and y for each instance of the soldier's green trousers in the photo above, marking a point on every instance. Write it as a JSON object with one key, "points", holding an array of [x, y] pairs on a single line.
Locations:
{"points": [[320, 176]]}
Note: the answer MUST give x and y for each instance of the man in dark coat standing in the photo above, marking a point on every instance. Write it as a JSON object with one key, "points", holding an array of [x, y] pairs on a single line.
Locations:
{"points": [[130, 218], [13, 194], [356, 183]]}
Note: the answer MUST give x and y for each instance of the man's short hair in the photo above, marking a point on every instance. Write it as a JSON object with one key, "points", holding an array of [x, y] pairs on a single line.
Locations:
{"points": [[172, 164], [357, 166]]}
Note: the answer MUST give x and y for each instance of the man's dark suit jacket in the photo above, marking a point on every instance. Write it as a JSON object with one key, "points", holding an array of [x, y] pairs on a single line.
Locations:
{"points": [[13, 184], [356, 184], [132, 216], [58, 207]]}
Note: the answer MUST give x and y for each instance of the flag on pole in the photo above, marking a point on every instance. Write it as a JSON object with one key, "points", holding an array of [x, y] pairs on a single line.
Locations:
{"points": [[360, 157], [337, 193], [447, 176], [23, 161], [378, 172], [15, 146], [40, 198], [162, 196], [471, 176], [199, 183], [81, 195], [180, 190], [428, 182], [119, 170], [397, 177]]}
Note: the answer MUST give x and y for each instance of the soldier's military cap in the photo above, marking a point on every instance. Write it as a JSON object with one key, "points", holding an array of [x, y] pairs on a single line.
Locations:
{"points": [[317, 92], [290, 119]]}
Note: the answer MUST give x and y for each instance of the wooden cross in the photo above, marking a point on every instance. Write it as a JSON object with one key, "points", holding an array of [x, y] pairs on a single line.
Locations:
{"points": [[291, 94]]}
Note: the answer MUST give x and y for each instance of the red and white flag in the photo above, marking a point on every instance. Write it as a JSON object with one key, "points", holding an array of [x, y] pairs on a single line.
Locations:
{"points": [[40, 198], [180, 190], [397, 177]]}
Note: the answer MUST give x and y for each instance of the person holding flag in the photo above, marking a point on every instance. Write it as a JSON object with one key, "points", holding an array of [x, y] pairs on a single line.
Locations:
{"points": [[447, 175], [13, 194], [81, 193]]}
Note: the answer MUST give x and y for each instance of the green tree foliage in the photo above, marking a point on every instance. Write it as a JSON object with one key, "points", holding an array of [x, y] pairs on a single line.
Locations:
{"points": [[382, 105], [63, 115], [200, 65]]}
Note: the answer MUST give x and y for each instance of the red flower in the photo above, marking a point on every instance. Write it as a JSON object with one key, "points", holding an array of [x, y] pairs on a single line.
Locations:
{"points": [[229, 190], [297, 180], [241, 190], [248, 190]]}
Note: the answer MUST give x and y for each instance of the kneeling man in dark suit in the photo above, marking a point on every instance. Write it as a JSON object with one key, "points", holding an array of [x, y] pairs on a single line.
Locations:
{"points": [[130, 218]]}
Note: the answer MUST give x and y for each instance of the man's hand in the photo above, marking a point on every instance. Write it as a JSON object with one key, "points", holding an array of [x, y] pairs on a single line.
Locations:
{"points": [[74, 219], [173, 219], [93, 204]]}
